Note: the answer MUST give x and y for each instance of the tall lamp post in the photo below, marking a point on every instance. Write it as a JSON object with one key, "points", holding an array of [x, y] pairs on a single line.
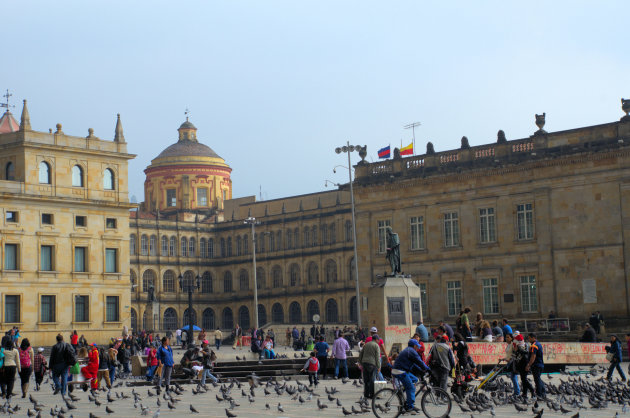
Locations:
{"points": [[252, 221], [189, 287], [348, 149]]}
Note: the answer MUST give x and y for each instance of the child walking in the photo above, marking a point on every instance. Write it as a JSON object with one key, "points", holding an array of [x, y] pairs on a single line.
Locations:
{"points": [[312, 367]]}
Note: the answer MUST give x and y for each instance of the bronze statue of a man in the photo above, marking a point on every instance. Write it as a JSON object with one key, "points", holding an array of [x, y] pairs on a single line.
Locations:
{"points": [[393, 251]]}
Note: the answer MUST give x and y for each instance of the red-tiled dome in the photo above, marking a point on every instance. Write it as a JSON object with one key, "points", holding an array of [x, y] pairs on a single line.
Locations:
{"points": [[8, 123]]}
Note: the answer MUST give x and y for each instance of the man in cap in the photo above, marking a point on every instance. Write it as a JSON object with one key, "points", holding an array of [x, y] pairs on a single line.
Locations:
{"points": [[370, 361], [408, 360]]}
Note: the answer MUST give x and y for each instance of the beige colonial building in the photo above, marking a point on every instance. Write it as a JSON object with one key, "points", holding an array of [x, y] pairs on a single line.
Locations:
{"points": [[65, 232]]}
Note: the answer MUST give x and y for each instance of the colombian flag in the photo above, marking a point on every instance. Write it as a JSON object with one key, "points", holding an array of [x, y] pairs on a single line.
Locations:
{"points": [[384, 152], [408, 150]]}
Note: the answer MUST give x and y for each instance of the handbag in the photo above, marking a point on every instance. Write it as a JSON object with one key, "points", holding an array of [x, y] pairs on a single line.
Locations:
{"points": [[76, 369], [610, 357]]}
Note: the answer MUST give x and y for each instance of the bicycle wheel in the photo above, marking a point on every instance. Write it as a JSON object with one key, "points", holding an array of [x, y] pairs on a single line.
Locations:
{"points": [[436, 403], [387, 403]]}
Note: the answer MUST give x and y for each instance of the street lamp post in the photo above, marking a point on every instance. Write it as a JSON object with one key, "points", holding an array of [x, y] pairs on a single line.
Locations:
{"points": [[252, 221], [348, 149], [189, 287]]}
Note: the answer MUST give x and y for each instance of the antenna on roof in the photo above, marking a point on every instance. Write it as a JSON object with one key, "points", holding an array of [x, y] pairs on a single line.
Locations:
{"points": [[7, 95], [412, 126]]}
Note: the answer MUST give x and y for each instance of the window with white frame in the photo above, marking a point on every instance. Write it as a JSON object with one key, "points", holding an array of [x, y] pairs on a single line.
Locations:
{"points": [[172, 244], [144, 245], [202, 197], [171, 198], [487, 226], [164, 246], [451, 229], [80, 258], [111, 260], [191, 247], [381, 227], [47, 254], [153, 245], [184, 247], [525, 221], [490, 296], [417, 232], [529, 299], [454, 297]]}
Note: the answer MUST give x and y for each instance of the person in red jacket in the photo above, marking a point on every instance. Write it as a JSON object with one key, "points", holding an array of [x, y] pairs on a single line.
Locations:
{"points": [[91, 370], [152, 363], [74, 341]]}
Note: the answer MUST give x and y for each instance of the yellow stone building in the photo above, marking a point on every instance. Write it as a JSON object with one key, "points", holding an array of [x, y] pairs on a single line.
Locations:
{"points": [[65, 233]]}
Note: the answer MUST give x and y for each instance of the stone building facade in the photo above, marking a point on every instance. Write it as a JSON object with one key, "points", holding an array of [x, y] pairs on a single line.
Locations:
{"points": [[65, 233]]}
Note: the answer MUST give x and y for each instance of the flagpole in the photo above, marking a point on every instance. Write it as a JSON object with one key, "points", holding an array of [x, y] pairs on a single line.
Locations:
{"points": [[413, 130]]}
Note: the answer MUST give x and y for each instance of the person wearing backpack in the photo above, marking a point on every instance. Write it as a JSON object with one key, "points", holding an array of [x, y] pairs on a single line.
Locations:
{"points": [[11, 365], [27, 357]]}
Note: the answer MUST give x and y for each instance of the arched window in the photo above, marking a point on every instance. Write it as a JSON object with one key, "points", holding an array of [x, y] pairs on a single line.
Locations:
{"points": [[227, 282], [188, 280], [262, 315], [243, 281], [191, 247], [222, 247], [294, 273], [243, 317], [9, 171], [313, 273], [202, 247], [239, 246], [164, 246], [276, 274], [207, 319], [331, 311], [170, 319], [210, 253], [351, 267], [314, 236], [108, 179], [295, 313], [279, 240], [352, 308], [134, 320], [228, 319], [272, 242], [172, 245], [144, 245], [206, 282], [153, 245], [245, 244], [184, 247], [44, 173], [296, 238], [277, 314], [168, 281], [229, 247], [190, 314], [324, 234], [331, 271], [77, 176], [132, 244], [307, 236], [332, 233], [148, 279], [312, 309], [260, 278], [348, 231]]}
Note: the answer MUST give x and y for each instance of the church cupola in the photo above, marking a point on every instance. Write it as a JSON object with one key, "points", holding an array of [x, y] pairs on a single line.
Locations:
{"points": [[187, 131]]}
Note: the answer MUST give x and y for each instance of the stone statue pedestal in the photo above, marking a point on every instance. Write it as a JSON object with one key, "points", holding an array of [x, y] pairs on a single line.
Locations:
{"points": [[152, 313], [394, 308]]}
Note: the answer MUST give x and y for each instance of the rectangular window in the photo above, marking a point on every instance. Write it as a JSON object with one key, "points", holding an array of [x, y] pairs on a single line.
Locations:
{"points": [[81, 308], [11, 257], [529, 299], [451, 229], [80, 221], [11, 216], [47, 219], [454, 297], [382, 235], [46, 258], [110, 223], [525, 221], [164, 247], [417, 232], [111, 260], [487, 229], [490, 296], [11, 308], [423, 299], [112, 314], [202, 197], [48, 308], [79, 259], [171, 198]]}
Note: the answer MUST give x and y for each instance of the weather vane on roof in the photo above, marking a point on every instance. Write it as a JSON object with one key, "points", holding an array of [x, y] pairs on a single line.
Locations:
{"points": [[7, 95], [187, 112]]}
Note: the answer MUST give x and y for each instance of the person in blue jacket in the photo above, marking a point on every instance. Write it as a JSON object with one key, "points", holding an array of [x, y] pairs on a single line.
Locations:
{"points": [[407, 361], [615, 349], [165, 359]]}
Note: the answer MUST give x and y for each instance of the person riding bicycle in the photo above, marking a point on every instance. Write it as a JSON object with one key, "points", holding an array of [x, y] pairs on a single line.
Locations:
{"points": [[408, 360]]}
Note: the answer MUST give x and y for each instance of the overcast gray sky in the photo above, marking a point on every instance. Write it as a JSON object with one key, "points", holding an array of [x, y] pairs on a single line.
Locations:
{"points": [[274, 86]]}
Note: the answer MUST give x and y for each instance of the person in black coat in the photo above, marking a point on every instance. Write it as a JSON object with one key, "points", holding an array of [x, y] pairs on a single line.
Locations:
{"points": [[589, 335]]}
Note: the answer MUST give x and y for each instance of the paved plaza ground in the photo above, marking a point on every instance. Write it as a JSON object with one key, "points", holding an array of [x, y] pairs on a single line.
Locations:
{"points": [[208, 406]]}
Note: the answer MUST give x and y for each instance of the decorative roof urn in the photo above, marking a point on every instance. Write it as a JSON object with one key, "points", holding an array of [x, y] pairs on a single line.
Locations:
{"points": [[540, 122]]}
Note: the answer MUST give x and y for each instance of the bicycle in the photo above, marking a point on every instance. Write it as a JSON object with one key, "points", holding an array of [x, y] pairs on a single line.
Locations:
{"points": [[389, 402]]}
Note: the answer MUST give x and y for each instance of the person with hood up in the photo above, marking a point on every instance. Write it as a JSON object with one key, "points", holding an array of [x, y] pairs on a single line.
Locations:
{"points": [[615, 362], [91, 370]]}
